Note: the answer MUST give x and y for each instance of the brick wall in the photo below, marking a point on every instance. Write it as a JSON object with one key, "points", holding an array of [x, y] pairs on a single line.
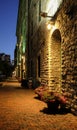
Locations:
{"points": [[67, 19], [58, 51]]}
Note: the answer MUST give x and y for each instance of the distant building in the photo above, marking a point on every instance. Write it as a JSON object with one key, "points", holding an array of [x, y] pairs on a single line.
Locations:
{"points": [[2, 56], [5, 64], [5, 57], [12, 62], [15, 56], [21, 45]]}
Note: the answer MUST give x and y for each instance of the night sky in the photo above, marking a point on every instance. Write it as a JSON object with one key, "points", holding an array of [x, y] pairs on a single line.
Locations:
{"points": [[8, 21]]}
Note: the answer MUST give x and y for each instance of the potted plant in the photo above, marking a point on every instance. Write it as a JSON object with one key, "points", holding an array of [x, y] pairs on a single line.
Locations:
{"points": [[54, 99]]}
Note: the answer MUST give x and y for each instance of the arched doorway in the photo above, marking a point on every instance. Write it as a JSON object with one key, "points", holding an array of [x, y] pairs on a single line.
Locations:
{"points": [[56, 60]]}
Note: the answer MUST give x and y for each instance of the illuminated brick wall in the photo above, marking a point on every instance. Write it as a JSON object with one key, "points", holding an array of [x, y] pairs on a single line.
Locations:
{"points": [[57, 49], [68, 26]]}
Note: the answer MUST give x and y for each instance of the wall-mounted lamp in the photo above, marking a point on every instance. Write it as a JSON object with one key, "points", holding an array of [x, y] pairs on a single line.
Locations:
{"points": [[44, 14]]}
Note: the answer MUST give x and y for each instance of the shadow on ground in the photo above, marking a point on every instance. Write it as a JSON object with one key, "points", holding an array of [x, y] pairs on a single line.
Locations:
{"points": [[58, 111], [45, 110]]}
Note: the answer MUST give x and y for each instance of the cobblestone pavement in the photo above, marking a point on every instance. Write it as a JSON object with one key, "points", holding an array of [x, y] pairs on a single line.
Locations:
{"points": [[20, 110]]}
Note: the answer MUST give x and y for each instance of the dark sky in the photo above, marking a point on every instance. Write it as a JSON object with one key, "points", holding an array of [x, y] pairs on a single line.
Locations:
{"points": [[8, 21]]}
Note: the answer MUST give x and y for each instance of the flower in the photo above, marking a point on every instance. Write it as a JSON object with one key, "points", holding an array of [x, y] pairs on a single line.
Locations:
{"points": [[39, 91], [47, 95]]}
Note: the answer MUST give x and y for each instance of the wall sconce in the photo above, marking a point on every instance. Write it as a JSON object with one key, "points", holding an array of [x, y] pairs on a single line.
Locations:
{"points": [[44, 14]]}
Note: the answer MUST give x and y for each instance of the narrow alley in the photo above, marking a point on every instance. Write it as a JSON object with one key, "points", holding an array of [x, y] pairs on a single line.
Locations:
{"points": [[20, 110]]}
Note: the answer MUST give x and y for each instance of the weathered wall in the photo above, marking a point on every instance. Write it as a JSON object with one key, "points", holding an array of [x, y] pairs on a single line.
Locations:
{"points": [[58, 51], [67, 19]]}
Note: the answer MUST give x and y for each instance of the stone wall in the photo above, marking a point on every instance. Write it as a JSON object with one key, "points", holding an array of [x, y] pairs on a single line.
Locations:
{"points": [[58, 51], [68, 26]]}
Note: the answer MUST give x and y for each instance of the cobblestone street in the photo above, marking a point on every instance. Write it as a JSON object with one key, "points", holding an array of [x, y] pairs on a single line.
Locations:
{"points": [[20, 110]]}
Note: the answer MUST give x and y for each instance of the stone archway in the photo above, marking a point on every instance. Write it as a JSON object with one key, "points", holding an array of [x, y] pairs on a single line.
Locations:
{"points": [[56, 59]]}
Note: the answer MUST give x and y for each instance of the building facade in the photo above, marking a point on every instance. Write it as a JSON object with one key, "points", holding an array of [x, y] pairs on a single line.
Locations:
{"points": [[21, 46], [53, 50], [48, 30]]}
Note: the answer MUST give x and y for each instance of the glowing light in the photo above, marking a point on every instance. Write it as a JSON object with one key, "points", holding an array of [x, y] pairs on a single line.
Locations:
{"points": [[49, 26]]}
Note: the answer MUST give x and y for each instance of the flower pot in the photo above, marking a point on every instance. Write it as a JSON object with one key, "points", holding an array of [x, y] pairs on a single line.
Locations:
{"points": [[53, 106]]}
